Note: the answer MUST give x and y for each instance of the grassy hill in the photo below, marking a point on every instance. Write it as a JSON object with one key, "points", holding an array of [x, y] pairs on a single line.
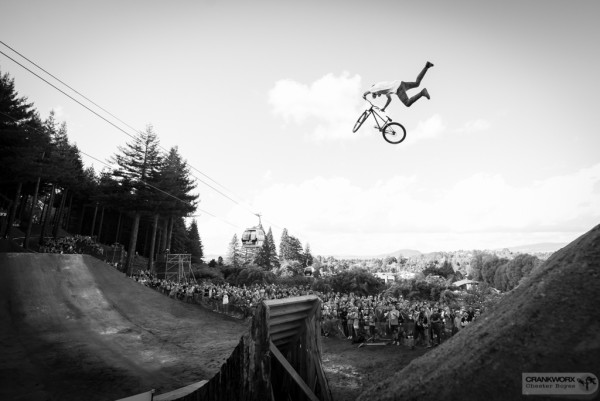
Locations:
{"points": [[550, 323]]}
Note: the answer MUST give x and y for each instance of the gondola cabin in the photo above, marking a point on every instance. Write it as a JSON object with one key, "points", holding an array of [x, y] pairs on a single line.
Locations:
{"points": [[253, 237]]}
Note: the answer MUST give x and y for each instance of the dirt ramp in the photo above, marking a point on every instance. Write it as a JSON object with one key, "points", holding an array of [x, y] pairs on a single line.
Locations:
{"points": [[72, 328], [550, 323]]}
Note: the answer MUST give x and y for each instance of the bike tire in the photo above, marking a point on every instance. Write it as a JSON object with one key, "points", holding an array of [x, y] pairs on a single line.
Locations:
{"points": [[393, 133], [361, 120]]}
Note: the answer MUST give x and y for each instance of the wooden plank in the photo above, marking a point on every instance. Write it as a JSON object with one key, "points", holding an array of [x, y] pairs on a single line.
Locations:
{"points": [[284, 334], [285, 326], [293, 374], [281, 342], [287, 318], [291, 300], [180, 392], [290, 308]]}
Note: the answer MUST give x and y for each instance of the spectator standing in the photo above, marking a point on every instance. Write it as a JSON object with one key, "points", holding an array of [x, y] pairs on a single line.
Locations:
{"points": [[436, 326], [457, 319], [344, 319], [421, 324], [350, 323], [393, 316], [225, 302], [409, 329]]}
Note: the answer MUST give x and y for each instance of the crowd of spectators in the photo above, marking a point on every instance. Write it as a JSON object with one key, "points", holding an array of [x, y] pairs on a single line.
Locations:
{"points": [[357, 318], [77, 244], [412, 323]]}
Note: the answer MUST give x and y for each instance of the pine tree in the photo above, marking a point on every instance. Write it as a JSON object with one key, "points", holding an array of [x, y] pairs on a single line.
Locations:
{"points": [[138, 169], [177, 183], [294, 251], [307, 256], [22, 144], [179, 240], [283, 245], [290, 248], [273, 259], [263, 256], [234, 256], [67, 167], [195, 243], [266, 256]]}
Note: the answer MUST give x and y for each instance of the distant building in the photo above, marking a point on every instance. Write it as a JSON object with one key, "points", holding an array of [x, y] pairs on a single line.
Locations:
{"points": [[386, 276], [466, 283]]}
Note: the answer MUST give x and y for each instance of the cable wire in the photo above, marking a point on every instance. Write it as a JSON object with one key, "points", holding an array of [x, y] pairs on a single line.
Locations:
{"points": [[119, 128], [111, 123], [139, 180]]}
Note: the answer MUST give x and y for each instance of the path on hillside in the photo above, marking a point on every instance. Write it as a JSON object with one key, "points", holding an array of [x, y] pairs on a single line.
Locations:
{"points": [[71, 325]]}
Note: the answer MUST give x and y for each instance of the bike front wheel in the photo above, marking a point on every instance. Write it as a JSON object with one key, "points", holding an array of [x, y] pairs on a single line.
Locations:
{"points": [[361, 120], [394, 133]]}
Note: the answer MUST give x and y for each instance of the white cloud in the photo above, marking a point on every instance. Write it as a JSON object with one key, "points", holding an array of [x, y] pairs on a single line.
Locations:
{"points": [[475, 126], [336, 216], [431, 128], [331, 104], [334, 210], [268, 175]]}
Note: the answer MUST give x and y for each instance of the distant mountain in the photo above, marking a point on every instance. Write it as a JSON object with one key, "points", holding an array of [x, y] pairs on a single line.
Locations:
{"points": [[407, 253], [541, 247]]}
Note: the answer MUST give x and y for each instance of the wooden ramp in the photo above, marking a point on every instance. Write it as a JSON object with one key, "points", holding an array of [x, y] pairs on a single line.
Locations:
{"points": [[279, 359], [179, 393]]}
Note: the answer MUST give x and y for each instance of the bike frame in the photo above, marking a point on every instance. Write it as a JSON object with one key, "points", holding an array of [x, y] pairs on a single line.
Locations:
{"points": [[373, 110]]}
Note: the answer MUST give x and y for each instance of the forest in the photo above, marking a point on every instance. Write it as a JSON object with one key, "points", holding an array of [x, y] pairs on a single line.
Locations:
{"points": [[139, 200]]}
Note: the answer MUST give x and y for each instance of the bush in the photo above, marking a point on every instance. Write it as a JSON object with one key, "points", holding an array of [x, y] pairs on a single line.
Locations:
{"points": [[321, 285], [294, 281], [240, 276], [204, 272], [448, 297], [358, 281]]}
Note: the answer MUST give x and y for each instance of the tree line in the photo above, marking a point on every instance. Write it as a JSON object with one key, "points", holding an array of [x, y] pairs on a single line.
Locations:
{"points": [[291, 260], [140, 201], [502, 273]]}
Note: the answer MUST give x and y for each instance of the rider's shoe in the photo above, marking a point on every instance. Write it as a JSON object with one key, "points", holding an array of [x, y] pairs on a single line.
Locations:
{"points": [[425, 93], [429, 64]]}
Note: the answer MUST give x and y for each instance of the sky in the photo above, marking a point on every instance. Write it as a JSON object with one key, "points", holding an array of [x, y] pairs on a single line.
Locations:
{"points": [[260, 98]]}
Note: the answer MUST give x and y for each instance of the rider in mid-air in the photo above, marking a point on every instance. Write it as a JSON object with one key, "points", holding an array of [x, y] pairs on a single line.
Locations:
{"points": [[399, 88]]}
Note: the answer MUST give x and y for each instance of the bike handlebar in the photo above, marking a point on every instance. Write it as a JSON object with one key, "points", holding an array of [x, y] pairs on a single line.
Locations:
{"points": [[373, 105]]}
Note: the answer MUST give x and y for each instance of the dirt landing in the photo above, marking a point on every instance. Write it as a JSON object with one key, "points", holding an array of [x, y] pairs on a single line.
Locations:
{"points": [[550, 323], [73, 328]]}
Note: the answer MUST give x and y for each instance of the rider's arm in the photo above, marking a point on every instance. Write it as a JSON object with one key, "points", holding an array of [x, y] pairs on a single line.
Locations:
{"points": [[389, 99]]}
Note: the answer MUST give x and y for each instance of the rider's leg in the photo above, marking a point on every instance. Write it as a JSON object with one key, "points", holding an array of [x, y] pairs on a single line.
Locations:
{"points": [[404, 86], [410, 85], [409, 101]]}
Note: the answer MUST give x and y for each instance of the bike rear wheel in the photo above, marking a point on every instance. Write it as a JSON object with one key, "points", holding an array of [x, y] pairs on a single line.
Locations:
{"points": [[394, 133], [361, 120]]}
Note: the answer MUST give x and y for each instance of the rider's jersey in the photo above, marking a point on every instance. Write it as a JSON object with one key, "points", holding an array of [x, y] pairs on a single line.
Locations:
{"points": [[385, 88]]}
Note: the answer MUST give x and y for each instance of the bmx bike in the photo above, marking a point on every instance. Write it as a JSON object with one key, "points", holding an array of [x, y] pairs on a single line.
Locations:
{"points": [[392, 132]]}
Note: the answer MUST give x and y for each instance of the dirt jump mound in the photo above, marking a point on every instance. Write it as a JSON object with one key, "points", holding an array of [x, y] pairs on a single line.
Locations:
{"points": [[73, 328], [549, 323]]}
